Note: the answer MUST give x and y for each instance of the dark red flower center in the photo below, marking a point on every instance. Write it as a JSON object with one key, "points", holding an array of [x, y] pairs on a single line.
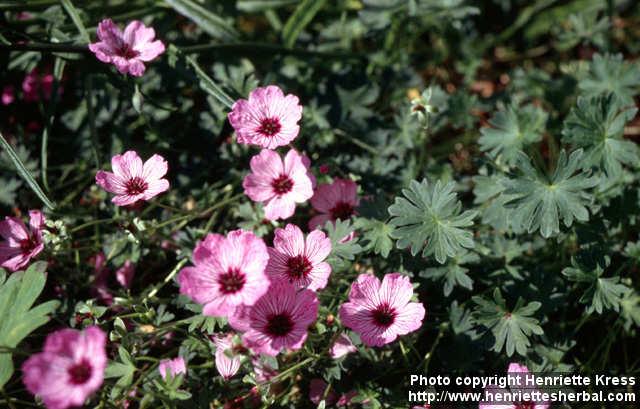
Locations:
{"points": [[298, 267], [136, 186], [525, 405], [126, 51], [80, 372], [282, 184], [384, 315], [279, 325], [27, 245], [342, 211], [269, 126], [232, 281]]}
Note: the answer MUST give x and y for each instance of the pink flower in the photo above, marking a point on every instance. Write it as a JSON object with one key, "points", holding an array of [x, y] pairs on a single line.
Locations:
{"points": [[515, 370], [124, 275], [297, 261], [337, 200], [36, 86], [69, 369], [268, 118], [128, 51], [278, 320], [8, 95], [342, 346], [317, 388], [277, 184], [20, 244], [227, 272], [131, 181], [379, 312], [172, 367], [226, 363]]}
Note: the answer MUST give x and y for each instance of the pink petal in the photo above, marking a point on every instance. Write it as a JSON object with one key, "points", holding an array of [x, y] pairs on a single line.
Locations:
{"points": [[289, 240], [110, 182], [127, 165]]}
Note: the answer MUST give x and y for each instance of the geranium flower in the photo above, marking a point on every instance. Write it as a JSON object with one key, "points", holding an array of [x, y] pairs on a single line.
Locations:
{"points": [[8, 95], [227, 364], [36, 86], [227, 272], [278, 320], [128, 51], [334, 201], [518, 371], [342, 346], [69, 369], [172, 367], [20, 244], [131, 181], [124, 275], [268, 118], [277, 184], [297, 261], [379, 312]]}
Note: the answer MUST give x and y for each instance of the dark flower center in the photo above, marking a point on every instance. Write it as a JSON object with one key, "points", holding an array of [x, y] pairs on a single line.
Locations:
{"points": [[232, 281], [80, 372], [126, 51], [298, 267], [342, 211], [282, 184], [279, 325], [136, 186], [384, 315], [27, 245], [525, 405], [269, 126]]}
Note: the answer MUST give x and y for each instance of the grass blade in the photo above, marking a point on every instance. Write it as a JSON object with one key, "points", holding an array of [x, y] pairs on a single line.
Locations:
{"points": [[300, 18], [209, 85], [75, 16], [253, 6], [24, 173], [206, 20]]}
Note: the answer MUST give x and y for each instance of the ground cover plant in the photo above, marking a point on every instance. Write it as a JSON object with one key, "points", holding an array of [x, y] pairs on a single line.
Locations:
{"points": [[290, 204]]}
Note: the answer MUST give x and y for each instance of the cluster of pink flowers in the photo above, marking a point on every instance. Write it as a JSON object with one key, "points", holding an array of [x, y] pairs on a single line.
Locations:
{"points": [[268, 294]]}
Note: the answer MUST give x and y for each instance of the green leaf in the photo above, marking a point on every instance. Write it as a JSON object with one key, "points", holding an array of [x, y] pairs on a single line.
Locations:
{"points": [[302, 16], [601, 293], [376, 235], [428, 218], [597, 125], [77, 20], [511, 329], [453, 273], [610, 73], [343, 247], [512, 130], [17, 295], [24, 173], [123, 370], [540, 202], [206, 20], [630, 309]]}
